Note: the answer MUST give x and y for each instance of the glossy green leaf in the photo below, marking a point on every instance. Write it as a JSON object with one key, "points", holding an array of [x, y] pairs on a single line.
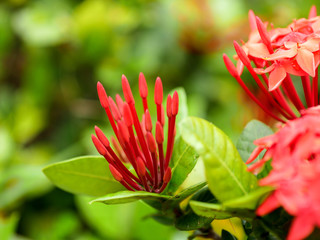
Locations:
{"points": [[218, 211], [129, 196], [210, 210], [226, 173], [192, 221], [250, 201], [183, 160], [187, 192], [83, 175], [252, 131]]}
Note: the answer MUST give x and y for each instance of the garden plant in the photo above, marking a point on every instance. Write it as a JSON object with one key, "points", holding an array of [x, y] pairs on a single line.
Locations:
{"points": [[268, 182]]}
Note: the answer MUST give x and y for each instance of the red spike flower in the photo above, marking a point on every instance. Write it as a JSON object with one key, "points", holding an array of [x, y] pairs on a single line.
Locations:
{"points": [[134, 144], [294, 152], [273, 57]]}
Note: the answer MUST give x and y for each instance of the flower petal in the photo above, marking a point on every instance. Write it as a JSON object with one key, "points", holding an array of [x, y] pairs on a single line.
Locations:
{"points": [[283, 54], [270, 204], [301, 227], [258, 50], [312, 44], [305, 59], [276, 77], [264, 70]]}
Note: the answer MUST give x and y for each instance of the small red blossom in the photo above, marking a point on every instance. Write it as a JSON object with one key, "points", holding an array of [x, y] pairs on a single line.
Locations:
{"points": [[134, 144], [294, 152], [273, 56]]}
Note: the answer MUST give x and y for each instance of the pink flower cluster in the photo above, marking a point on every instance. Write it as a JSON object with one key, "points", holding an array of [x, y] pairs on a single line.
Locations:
{"points": [[275, 58], [295, 154]]}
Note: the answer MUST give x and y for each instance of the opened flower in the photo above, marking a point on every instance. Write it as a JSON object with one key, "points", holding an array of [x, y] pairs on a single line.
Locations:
{"points": [[134, 144], [294, 152], [273, 57]]}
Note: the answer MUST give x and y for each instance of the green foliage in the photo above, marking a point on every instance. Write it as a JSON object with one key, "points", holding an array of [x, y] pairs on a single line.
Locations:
{"points": [[227, 236], [84, 175], [21, 182], [8, 226], [226, 173], [52, 54], [252, 131], [129, 196], [182, 162], [250, 201], [128, 220], [218, 211], [191, 221]]}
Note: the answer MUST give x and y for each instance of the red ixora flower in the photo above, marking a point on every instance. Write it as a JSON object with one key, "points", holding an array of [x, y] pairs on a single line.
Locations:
{"points": [[294, 152], [273, 57], [134, 143]]}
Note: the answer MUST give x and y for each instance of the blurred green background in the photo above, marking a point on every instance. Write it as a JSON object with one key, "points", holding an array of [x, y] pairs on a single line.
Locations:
{"points": [[53, 52]]}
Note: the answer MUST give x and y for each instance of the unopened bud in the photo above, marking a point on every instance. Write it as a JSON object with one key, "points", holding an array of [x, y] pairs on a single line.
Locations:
{"points": [[141, 168], [99, 146], [175, 103], [169, 106], [148, 121], [115, 173], [159, 133], [241, 54], [124, 131], [143, 87], [151, 143], [127, 114], [114, 110], [231, 68], [158, 92], [103, 139], [127, 90], [103, 97]]}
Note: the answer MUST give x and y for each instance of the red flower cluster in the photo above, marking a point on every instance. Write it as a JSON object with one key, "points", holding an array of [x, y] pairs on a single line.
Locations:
{"points": [[295, 154], [273, 57], [151, 171]]}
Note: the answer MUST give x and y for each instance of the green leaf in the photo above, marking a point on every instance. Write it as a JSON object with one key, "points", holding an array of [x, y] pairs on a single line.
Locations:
{"points": [[183, 160], [218, 211], [8, 226], [129, 196], [192, 221], [210, 210], [250, 201], [83, 175], [252, 131], [227, 236], [187, 192], [204, 195], [226, 173]]}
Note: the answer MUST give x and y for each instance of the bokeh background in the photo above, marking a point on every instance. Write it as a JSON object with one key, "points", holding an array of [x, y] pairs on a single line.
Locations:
{"points": [[53, 52]]}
